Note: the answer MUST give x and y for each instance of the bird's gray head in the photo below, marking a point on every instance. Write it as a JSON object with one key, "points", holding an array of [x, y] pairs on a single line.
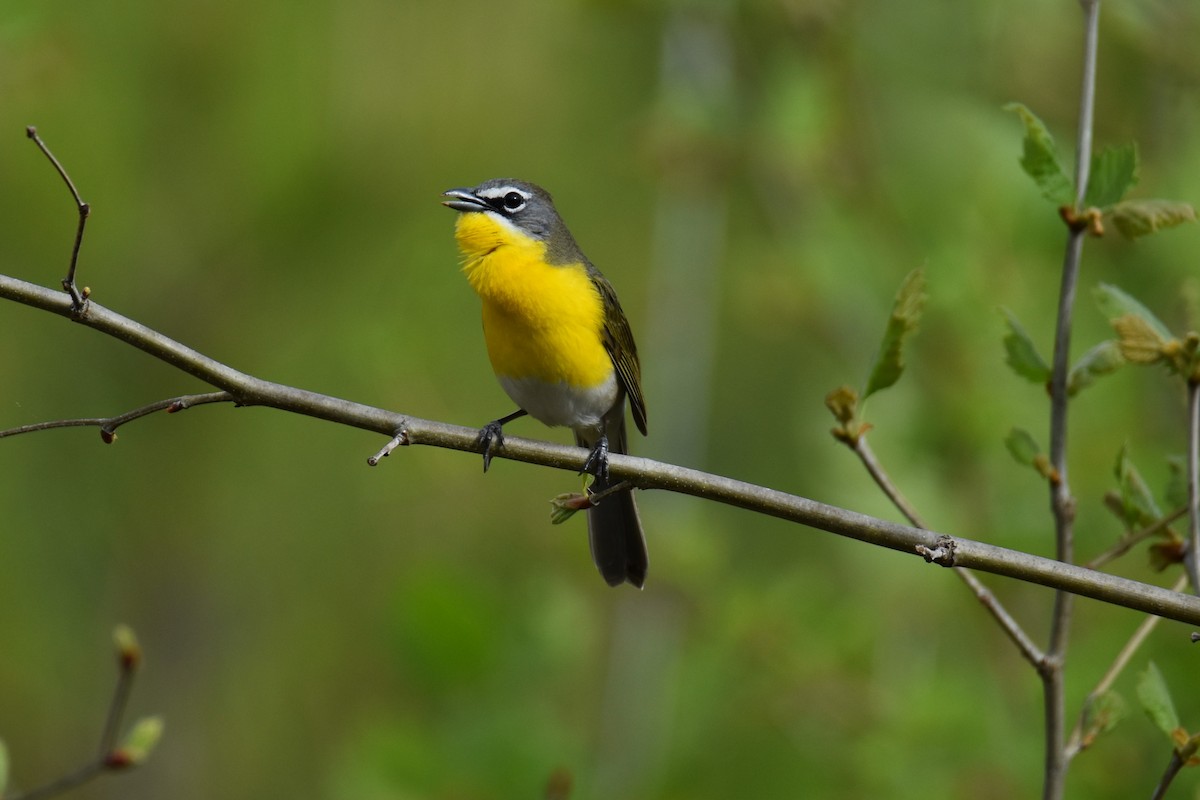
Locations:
{"points": [[522, 204]]}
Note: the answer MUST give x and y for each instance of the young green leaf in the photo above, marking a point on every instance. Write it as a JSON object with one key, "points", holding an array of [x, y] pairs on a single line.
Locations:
{"points": [[1040, 160], [1023, 356], [906, 314], [1139, 340], [141, 741], [1101, 715], [1022, 446], [843, 403], [564, 506], [1113, 173], [1100, 360], [1155, 698], [1166, 553], [1115, 303], [1136, 499], [1135, 218]]}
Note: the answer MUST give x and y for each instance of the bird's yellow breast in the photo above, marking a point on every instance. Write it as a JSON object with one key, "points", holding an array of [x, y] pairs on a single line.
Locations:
{"points": [[540, 321]]}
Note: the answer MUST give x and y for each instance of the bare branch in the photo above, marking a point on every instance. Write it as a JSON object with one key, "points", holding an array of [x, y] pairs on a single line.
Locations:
{"points": [[85, 211], [640, 472], [1192, 561], [108, 425]]}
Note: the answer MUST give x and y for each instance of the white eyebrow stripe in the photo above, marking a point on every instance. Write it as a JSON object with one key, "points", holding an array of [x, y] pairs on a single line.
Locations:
{"points": [[495, 192]]}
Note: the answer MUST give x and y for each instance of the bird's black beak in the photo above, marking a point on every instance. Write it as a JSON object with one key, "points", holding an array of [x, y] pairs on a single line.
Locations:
{"points": [[463, 200]]}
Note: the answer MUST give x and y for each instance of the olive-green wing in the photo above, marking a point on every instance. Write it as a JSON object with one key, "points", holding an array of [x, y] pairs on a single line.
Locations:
{"points": [[618, 341]]}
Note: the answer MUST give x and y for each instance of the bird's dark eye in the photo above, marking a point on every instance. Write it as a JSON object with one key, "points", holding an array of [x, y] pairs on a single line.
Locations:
{"points": [[513, 201]]}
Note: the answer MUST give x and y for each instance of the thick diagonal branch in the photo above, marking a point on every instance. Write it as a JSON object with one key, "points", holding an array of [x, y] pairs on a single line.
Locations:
{"points": [[641, 472]]}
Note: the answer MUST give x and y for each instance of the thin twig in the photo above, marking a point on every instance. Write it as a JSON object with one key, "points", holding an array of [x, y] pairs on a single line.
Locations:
{"points": [[85, 210], [616, 488], [127, 663], [108, 425], [1164, 783], [867, 456], [58, 786], [1192, 561], [1061, 501], [1127, 542], [1075, 742], [1008, 624], [116, 711], [641, 472]]}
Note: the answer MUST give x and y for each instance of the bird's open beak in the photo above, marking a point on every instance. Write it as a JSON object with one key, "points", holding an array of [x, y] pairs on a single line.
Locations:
{"points": [[463, 200]]}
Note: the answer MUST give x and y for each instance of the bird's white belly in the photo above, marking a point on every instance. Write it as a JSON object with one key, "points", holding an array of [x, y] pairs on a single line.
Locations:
{"points": [[562, 405]]}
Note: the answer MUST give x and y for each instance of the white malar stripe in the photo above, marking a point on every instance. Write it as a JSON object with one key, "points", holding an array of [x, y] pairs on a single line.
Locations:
{"points": [[500, 219]]}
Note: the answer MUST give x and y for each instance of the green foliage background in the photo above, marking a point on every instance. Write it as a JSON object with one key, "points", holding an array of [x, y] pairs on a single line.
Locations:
{"points": [[755, 178]]}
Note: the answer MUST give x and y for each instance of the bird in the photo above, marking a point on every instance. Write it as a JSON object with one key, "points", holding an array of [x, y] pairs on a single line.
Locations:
{"points": [[560, 346]]}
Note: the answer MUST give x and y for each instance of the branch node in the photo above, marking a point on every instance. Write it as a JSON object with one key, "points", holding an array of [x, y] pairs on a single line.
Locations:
{"points": [[942, 554]]}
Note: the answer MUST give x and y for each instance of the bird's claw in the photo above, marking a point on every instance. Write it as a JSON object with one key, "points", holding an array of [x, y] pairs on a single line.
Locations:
{"points": [[597, 461], [491, 437]]}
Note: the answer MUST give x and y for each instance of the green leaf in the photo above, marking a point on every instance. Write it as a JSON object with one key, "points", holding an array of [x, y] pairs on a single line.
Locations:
{"points": [[1136, 499], [1022, 446], [1135, 218], [1101, 360], [1155, 698], [1101, 715], [564, 506], [1023, 357], [1040, 160], [1176, 494], [1115, 304], [1114, 172], [906, 314]]}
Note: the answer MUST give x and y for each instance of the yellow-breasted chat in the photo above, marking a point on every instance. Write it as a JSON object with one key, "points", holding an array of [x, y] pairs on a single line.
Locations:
{"points": [[560, 346]]}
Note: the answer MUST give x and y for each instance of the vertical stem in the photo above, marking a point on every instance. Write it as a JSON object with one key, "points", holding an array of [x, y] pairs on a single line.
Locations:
{"points": [[1193, 556], [1087, 99], [1062, 504]]}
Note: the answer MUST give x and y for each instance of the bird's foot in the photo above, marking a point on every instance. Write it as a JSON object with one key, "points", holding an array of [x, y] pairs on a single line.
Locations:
{"points": [[597, 461], [491, 437]]}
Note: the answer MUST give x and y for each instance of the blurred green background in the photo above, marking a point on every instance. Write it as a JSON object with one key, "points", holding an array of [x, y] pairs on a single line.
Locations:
{"points": [[755, 178]]}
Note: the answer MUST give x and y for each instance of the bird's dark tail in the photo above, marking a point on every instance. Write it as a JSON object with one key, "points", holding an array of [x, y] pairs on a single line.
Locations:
{"points": [[614, 528]]}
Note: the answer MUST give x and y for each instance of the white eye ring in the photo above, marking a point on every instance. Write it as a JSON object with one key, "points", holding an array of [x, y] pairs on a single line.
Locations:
{"points": [[506, 199]]}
